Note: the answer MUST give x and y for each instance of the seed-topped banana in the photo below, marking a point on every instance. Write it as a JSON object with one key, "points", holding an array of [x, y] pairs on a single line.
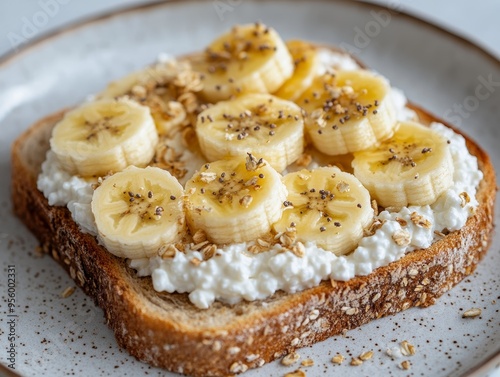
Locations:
{"points": [[166, 88], [348, 111], [137, 211], [414, 167], [260, 124], [307, 62], [326, 206], [248, 59], [235, 200], [106, 135]]}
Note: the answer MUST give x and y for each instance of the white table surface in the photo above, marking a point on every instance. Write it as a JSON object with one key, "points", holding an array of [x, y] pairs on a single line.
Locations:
{"points": [[475, 20]]}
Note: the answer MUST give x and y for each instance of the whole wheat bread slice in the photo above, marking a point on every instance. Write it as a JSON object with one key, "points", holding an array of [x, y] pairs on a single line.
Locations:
{"points": [[166, 330]]}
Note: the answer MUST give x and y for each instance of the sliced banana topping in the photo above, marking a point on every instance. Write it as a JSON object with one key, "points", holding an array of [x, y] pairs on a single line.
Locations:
{"points": [[348, 111], [168, 89], [260, 124], [306, 62], [104, 136], [235, 200], [227, 123], [137, 211], [326, 206], [414, 167], [248, 59]]}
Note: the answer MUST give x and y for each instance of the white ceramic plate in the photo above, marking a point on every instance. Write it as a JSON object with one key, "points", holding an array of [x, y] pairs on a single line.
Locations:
{"points": [[59, 336]]}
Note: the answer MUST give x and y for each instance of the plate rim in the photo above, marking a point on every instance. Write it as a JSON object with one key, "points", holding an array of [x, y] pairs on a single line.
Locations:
{"points": [[119, 11], [490, 364]]}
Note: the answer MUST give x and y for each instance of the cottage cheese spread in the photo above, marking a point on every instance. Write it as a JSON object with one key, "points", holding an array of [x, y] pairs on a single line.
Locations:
{"points": [[63, 189], [235, 274]]}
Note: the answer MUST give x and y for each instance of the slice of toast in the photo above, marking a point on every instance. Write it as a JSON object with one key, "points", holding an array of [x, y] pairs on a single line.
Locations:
{"points": [[168, 331]]}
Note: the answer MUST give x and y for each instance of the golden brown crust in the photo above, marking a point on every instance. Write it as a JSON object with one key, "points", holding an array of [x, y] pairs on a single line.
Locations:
{"points": [[164, 329]]}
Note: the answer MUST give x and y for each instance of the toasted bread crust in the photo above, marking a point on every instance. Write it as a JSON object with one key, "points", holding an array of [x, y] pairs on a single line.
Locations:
{"points": [[164, 329]]}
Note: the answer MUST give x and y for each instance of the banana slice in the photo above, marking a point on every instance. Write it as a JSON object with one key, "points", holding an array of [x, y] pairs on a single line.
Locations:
{"points": [[414, 167], [307, 62], [139, 210], [159, 87], [103, 136], [348, 111], [235, 200], [260, 124], [328, 207], [248, 59]]}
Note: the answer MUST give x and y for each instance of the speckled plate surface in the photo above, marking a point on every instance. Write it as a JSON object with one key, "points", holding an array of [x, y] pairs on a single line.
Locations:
{"points": [[449, 76]]}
